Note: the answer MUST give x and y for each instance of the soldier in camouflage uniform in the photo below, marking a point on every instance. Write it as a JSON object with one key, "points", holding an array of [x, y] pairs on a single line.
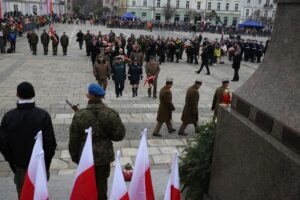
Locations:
{"points": [[152, 69], [107, 127], [64, 42], [55, 42], [45, 39]]}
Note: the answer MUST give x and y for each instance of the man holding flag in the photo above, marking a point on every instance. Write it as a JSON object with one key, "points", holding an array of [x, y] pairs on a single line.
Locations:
{"points": [[18, 130], [106, 127]]}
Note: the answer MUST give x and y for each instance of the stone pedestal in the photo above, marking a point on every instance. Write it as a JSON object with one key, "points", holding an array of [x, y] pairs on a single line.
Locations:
{"points": [[257, 148]]}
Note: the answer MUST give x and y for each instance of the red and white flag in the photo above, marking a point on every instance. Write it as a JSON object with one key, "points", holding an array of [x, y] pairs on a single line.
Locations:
{"points": [[173, 191], [84, 187], [119, 190], [49, 7], [141, 184], [51, 29], [41, 189], [1, 9], [30, 186]]}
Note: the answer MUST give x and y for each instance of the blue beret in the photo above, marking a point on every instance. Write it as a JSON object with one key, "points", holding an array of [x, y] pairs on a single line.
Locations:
{"points": [[97, 90]]}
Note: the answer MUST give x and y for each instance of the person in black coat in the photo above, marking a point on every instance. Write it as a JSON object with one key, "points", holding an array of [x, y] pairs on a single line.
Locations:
{"points": [[94, 49], [236, 62], [204, 59], [80, 38], [19, 128], [135, 74]]}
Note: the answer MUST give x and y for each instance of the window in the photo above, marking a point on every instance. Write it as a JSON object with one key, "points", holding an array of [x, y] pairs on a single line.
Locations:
{"points": [[187, 5], [133, 3], [273, 13], [209, 6], [168, 3], [258, 13], [236, 7], [158, 4], [267, 2], [227, 7], [219, 6], [259, 1], [266, 14], [144, 14], [177, 4], [177, 18], [34, 9], [198, 5], [186, 18], [157, 16], [248, 1], [247, 12], [15, 7], [145, 3], [225, 21], [234, 21], [133, 13]]}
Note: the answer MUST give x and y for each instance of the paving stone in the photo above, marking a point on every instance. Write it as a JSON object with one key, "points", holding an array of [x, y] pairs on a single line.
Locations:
{"points": [[134, 143], [121, 144], [58, 164], [123, 161], [65, 154], [153, 151], [72, 165], [1, 157], [57, 154], [174, 142], [167, 150], [162, 159], [157, 143], [129, 151], [4, 166], [64, 116]]}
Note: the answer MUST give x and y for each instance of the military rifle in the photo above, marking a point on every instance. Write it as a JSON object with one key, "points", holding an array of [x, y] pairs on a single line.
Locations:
{"points": [[74, 107]]}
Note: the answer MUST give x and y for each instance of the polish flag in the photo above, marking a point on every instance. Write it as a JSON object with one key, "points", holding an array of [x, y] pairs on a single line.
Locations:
{"points": [[119, 189], [49, 7], [172, 191], [41, 189], [141, 183], [28, 188], [84, 187]]}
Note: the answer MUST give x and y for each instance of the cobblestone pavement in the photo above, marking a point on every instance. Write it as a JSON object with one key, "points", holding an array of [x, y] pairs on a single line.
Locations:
{"points": [[67, 77]]}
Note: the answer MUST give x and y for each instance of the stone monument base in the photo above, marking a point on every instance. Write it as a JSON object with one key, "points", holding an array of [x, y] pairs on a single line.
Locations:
{"points": [[250, 164]]}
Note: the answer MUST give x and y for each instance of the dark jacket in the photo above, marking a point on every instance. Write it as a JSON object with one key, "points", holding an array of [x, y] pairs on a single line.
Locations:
{"points": [[19, 128], [118, 71], [135, 72]]}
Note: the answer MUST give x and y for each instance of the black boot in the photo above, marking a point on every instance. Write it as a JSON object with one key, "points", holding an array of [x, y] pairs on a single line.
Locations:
{"points": [[133, 92], [136, 94]]}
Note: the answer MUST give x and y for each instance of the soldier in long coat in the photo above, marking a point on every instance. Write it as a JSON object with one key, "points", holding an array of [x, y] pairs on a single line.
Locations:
{"points": [[102, 71], [190, 110], [135, 74], [106, 127], [34, 40], [55, 42], [88, 39], [152, 69], [218, 96], [164, 114], [119, 75], [45, 39], [64, 42]]}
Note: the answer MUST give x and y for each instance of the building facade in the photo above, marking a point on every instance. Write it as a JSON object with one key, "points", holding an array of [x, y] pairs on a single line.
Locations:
{"points": [[227, 12], [258, 10], [38, 7]]}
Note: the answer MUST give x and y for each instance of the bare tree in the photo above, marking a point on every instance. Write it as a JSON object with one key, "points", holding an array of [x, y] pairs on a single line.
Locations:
{"points": [[168, 13]]}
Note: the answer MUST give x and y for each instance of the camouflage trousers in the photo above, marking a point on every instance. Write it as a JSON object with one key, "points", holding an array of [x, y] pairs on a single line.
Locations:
{"points": [[102, 173]]}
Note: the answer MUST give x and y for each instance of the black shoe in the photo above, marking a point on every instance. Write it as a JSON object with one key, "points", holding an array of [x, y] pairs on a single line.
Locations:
{"points": [[154, 97], [207, 73], [198, 72], [157, 134], [120, 93], [183, 133], [172, 130], [234, 80]]}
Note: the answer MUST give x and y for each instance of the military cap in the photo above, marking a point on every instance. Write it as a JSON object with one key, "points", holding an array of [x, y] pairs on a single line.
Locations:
{"points": [[225, 80], [197, 81], [96, 90], [169, 80]]}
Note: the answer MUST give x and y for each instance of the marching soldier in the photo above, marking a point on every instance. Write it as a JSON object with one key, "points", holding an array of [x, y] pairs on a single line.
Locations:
{"points": [[137, 54], [64, 41], [34, 41], [29, 39], [119, 75], [218, 97], [45, 39], [55, 42], [152, 70], [106, 126], [190, 110], [164, 114], [102, 71], [88, 39]]}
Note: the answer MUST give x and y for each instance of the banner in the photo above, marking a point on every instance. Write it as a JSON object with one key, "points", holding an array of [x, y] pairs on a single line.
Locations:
{"points": [[1, 9], [49, 7]]}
